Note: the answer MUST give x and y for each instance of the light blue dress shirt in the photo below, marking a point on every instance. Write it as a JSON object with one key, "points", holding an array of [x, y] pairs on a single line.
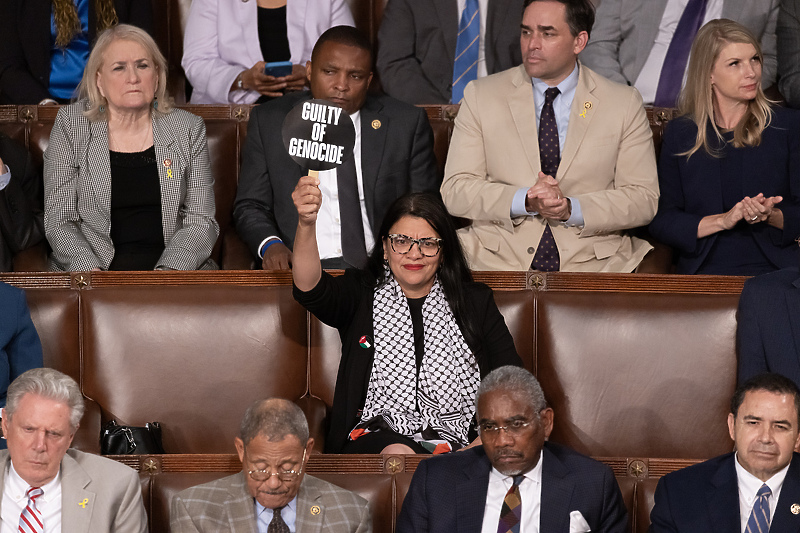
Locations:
{"points": [[5, 177], [561, 108], [288, 513]]}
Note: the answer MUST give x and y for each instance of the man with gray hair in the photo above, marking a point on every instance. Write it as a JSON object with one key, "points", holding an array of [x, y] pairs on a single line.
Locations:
{"points": [[48, 487], [271, 494], [515, 481]]}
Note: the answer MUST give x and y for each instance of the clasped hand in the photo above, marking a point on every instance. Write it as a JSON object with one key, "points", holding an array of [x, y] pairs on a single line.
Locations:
{"points": [[751, 210], [546, 198]]}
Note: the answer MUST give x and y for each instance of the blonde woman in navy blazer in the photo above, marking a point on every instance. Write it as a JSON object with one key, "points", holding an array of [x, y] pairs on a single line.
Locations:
{"points": [[729, 172], [125, 110]]}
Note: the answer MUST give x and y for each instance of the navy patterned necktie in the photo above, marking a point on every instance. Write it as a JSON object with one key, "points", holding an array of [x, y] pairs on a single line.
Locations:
{"points": [[546, 258], [671, 79], [759, 517], [277, 525], [511, 513]]}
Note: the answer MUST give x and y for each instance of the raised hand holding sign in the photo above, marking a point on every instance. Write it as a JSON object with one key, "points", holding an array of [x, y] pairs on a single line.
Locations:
{"points": [[318, 135]]}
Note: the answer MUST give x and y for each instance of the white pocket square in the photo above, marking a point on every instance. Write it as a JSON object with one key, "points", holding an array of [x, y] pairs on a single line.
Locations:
{"points": [[577, 523]]}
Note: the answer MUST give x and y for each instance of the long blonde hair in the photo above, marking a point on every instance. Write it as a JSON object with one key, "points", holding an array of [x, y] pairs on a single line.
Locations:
{"points": [[68, 25], [97, 109], [697, 97]]}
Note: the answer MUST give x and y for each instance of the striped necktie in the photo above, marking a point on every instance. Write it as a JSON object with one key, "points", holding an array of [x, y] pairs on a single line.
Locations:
{"points": [[759, 518], [465, 68], [511, 513], [30, 521]]}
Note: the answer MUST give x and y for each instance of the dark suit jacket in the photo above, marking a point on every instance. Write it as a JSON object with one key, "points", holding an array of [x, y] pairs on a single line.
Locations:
{"points": [[20, 349], [417, 46], [448, 493], [26, 38], [396, 159], [705, 497], [21, 223], [692, 189], [768, 335]]}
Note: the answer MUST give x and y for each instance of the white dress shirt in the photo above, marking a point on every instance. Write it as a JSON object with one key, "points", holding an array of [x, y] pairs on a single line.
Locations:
{"points": [[483, 6], [748, 488], [647, 82], [15, 500], [5, 176], [530, 492], [329, 226]]}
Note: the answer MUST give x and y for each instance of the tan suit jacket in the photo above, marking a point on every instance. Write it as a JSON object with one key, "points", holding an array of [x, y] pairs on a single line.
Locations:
{"points": [[607, 163], [97, 494], [225, 505]]}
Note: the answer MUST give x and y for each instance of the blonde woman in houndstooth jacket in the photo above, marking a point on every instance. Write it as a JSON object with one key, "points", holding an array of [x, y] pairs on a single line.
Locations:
{"points": [[127, 178]]}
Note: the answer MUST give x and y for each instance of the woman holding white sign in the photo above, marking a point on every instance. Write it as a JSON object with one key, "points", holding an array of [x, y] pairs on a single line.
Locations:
{"points": [[417, 334]]}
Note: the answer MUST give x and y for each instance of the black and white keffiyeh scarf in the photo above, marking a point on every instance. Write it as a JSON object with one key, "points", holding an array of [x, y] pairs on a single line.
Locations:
{"points": [[443, 399]]}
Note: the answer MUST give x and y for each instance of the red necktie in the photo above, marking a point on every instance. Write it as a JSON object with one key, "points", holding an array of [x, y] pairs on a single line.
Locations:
{"points": [[30, 521]]}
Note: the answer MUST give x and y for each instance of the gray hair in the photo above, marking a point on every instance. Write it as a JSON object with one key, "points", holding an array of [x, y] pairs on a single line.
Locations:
{"points": [[514, 379], [47, 383], [273, 418], [88, 86]]}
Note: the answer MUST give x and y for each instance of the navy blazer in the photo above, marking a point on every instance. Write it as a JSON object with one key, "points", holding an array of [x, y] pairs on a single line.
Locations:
{"points": [[25, 53], [448, 493], [768, 335], [396, 159], [20, 349], [692, 189], [705, 497]]}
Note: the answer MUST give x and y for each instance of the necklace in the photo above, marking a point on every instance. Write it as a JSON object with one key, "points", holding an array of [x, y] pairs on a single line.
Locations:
{"points": [[131, 143]]}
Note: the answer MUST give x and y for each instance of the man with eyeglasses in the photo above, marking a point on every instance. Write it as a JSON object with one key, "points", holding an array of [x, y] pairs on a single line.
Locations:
{"points": [[271, 494], [514, 482]]}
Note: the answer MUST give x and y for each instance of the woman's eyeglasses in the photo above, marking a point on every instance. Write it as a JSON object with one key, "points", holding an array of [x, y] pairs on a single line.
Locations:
{"points": [[401, 244]]}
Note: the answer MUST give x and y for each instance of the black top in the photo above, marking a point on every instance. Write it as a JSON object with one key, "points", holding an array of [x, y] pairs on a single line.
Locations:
{"points": [[272, 34], [735, 252], [136, 228], [345, 303]]}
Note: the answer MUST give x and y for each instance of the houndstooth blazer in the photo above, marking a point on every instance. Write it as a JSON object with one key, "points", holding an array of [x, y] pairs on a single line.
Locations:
{"points": [[225, 505], [77, 187]]}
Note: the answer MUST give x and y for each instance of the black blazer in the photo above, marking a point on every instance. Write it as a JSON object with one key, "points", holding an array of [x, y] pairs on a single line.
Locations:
{"points": [[396, 159], [768, 333], [25, 52], [705, 497], [21, 219], [692, 189], [345, 303], [448, 493]]}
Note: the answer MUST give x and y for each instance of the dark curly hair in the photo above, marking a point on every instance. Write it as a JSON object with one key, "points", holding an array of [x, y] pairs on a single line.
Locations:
{"points": [[68, 25]]}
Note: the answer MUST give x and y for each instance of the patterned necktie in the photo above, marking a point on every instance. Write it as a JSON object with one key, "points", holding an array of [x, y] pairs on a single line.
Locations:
{"points": [[30, 521], [759, 518], [354, 251], [546, 258], [465, 68], [671, 79], [277, 525], [511, 513]]}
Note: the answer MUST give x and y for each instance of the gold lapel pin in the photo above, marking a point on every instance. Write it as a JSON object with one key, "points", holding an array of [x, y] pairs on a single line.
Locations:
{"points": [[315, 510], [795, 508], [376, 124], [86, 500], [586, 106], [168, 163]]}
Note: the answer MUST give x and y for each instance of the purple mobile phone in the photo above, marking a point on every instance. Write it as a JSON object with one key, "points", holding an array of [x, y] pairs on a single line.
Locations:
{"points": [[278, 69]]}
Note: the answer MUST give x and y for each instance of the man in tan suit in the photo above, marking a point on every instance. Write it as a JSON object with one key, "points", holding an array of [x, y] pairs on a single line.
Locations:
{"points": [[45, 484], [600, 177]]}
